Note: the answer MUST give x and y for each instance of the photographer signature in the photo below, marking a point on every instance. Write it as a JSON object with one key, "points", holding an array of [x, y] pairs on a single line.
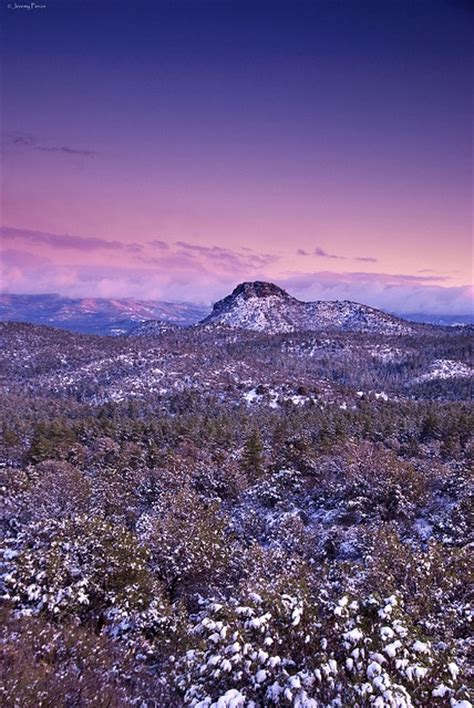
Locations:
{"points": [[25, 6]]}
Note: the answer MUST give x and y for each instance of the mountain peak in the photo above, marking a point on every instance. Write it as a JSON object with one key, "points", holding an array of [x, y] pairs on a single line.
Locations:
{"points": [[265, 307], [258, 288], [257, 292]]}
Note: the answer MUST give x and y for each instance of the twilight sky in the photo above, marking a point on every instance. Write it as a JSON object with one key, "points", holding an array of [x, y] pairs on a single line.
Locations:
{"points": [[169, 150]]}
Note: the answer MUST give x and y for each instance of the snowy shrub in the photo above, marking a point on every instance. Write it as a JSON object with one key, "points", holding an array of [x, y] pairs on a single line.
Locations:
{"points": [[116, 493], [432, 580], [219, 479], [264, 649], [49, 665], [275, 488], [56, 490], [296, 452], [14, 486], [79, 567], [240, 647], [383, 484], [188, 539], [292, 535]]}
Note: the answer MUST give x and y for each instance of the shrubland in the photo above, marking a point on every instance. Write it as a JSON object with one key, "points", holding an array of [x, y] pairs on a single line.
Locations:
{"points": [[196, 549]]}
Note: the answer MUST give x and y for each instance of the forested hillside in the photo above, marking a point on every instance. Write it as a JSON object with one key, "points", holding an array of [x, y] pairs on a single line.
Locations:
{"points": [[218, 517]]}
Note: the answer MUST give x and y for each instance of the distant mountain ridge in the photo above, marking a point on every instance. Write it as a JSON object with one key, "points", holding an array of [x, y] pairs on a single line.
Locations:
{"points": [[258, 306], [445, 320], [265, 307], [105, 316]]}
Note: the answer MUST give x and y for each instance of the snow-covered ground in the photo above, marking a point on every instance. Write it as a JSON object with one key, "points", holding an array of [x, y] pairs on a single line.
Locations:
{"points": [[446, 369]]}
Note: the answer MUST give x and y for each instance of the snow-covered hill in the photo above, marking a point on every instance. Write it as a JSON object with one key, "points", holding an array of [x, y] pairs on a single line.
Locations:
{"points": [[95, 315], [152, 328], [267, 308]]}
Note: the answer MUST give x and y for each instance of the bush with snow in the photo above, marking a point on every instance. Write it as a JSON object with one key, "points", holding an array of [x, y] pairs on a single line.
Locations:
{"points": [[80, 567], [287, 649], [188, 539], [52, 664]]}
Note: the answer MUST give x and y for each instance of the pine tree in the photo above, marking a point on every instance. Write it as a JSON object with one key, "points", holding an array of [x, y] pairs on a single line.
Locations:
{"points": [[252, 456]]}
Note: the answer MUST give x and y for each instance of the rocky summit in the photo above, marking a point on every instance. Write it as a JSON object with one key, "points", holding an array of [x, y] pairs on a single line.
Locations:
{"points": [[265, 307]]}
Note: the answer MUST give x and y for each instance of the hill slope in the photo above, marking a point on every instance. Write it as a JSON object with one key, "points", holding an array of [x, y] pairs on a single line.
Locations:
{"points": [[265, 307]]}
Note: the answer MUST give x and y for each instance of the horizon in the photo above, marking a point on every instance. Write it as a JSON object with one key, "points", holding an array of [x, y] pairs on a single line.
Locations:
{"points": [[209, 304], [324, 147]]}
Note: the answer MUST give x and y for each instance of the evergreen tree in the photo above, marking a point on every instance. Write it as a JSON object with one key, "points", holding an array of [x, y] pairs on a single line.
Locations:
{"points": [[252, 456]]}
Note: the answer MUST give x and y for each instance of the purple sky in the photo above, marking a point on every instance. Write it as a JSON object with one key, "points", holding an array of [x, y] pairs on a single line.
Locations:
{"points": [[169, 150]]}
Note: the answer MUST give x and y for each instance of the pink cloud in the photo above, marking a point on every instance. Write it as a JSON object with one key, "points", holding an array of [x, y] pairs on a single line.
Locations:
{"points": [[228, 259], [159, 244], [324, 254], [62, 241], [42, 261], [179, 276], [391, 292]]}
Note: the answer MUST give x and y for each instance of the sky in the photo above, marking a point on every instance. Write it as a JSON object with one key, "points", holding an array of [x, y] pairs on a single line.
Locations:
{"points": [[170, 150]]}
